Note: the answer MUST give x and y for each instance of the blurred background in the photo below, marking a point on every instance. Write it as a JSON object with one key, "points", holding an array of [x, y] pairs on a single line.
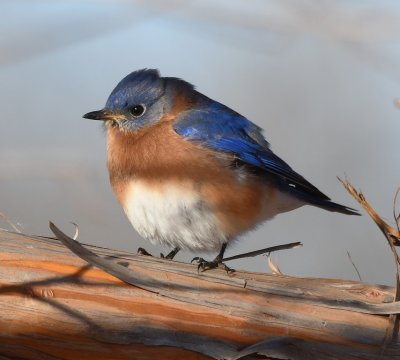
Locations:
{"points": [[321, 77]]}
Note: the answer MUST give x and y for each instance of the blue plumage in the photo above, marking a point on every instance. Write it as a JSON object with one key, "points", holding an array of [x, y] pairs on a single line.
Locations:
{"points": [[205, 122], [194, 197], [216, 126]]}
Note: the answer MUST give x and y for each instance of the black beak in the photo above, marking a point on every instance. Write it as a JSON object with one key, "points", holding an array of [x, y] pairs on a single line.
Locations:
{"points": [[103, 115]]}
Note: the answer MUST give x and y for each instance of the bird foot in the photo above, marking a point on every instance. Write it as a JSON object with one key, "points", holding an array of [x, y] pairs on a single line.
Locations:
{"points": [[169, 256], [141, 251], [204, 265]]}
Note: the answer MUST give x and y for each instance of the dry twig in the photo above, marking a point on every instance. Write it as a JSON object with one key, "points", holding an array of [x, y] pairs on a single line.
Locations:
{"points": [[392, 236]]}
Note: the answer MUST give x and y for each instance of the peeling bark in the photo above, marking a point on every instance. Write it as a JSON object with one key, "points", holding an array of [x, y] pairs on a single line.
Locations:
{"points": [[54, 305]]}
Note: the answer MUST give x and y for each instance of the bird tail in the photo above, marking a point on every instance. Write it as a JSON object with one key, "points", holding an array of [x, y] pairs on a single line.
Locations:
{"points": [[323, 202], [335, 207]]}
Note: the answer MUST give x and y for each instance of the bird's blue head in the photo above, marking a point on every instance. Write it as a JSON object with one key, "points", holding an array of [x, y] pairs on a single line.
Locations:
{"points": [[139, 100]]}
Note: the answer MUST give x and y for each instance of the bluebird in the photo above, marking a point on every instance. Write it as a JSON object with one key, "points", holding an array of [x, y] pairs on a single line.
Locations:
{"points": [[191, 173]]}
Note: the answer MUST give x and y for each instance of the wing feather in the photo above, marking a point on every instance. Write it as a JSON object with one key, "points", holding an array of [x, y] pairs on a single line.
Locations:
{"points": [[220, 128]]}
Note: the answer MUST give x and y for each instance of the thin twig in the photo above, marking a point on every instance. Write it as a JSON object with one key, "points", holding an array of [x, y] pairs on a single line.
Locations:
{"points": [[119, 271], [264, 251], [9, 222], [354, 266], [274, 267], [76, 235], [396, 217]]}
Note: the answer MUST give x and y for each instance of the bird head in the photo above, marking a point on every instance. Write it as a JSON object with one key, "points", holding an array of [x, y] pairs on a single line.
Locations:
{"points": [[139, 100]]}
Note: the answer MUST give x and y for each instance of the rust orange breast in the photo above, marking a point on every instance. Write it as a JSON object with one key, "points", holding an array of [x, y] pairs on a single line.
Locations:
{"points": [[158, 156]]}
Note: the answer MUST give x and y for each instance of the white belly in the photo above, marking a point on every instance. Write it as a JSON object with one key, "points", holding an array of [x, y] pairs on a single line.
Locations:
{"points": [[173, 215]]}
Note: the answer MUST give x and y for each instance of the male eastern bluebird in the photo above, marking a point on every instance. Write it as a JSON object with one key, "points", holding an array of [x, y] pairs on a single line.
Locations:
{"points": [[191, 173]]}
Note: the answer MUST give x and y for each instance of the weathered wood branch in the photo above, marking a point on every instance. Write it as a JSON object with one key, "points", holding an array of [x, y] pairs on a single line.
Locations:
{"points": [[56, 306]]}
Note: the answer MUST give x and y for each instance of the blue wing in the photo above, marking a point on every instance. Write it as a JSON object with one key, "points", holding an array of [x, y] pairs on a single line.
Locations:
{"points": [[217, 127], [220, 128]]}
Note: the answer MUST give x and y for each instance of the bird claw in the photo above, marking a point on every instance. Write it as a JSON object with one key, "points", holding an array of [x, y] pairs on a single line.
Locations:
{"points": [[169, 256], [141, 251], [196, 259], [204, 265]]}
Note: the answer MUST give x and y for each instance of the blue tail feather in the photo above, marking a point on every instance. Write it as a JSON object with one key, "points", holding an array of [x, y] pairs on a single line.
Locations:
{"points": [[322, 203]]}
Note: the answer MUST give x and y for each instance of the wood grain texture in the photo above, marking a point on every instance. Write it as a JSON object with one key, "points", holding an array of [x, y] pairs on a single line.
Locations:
{"points": [[56, 306]]}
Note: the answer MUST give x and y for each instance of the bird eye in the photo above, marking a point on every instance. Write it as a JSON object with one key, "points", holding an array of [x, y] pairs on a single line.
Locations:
{"points": [[137, 110]]}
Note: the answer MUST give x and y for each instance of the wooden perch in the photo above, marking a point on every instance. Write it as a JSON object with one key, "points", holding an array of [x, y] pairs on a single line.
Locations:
{"points": [[54, 305]]}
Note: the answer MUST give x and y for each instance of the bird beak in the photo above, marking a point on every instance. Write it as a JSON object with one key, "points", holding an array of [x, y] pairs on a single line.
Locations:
{"points": [[102, 115]]}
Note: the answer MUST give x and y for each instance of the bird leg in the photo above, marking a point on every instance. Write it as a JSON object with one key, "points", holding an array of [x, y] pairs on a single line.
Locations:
{"points": [[205, 265], [169, 256]]}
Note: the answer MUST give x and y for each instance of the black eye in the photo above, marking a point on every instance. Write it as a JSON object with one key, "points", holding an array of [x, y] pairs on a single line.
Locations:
{"points": [[137, 110]]}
